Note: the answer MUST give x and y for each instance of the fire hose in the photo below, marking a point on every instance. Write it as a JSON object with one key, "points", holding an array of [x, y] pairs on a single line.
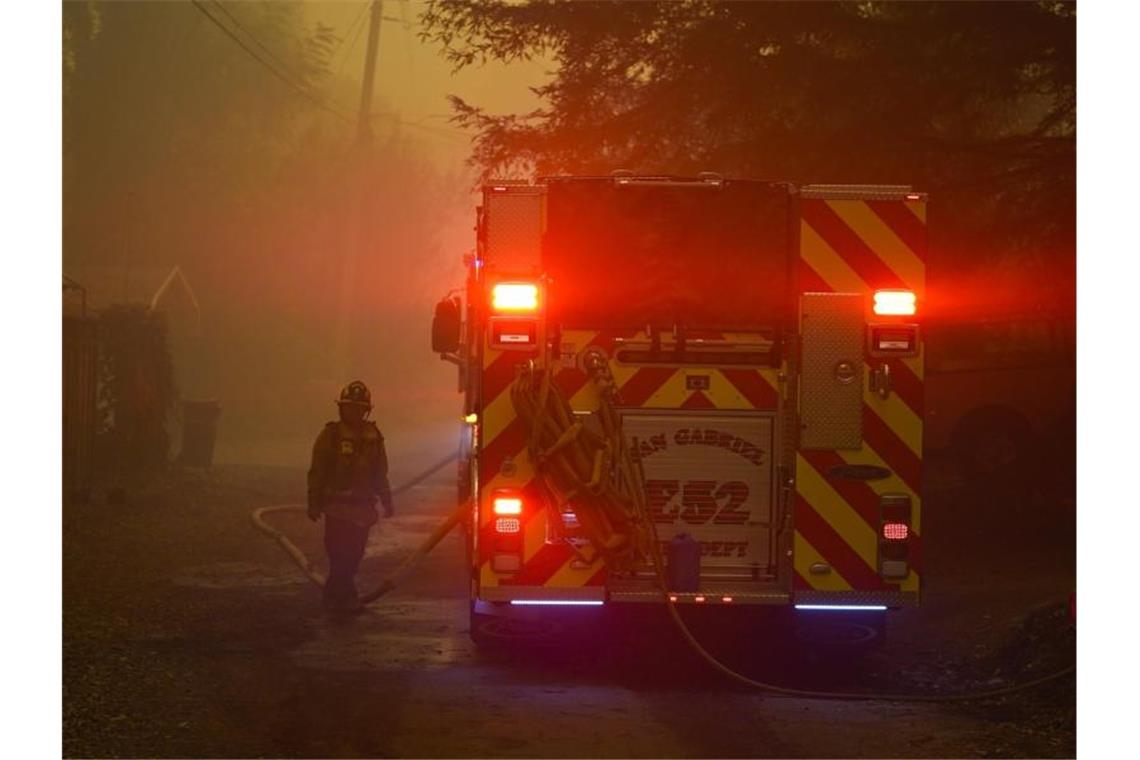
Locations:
{"points": [[597, 471], [589, 466], [393, 579]]}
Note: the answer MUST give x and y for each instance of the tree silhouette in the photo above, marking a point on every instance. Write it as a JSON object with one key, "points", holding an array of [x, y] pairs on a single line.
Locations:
{"points": [[975, 102]]}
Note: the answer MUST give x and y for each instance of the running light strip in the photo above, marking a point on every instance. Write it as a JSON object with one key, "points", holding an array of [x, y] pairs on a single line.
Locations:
{"points": [[559, 602], [850, 607]]}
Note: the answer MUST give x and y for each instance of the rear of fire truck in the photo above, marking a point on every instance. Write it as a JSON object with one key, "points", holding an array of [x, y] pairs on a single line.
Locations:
{"points": [[765, 361]]}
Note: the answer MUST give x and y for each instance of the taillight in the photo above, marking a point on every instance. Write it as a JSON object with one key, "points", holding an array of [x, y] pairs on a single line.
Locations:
{"points": [[515, 316], [514, 297], [892, 332], [895, 531], [506, 548], [894, 535], [894, 303], [507, 525]]}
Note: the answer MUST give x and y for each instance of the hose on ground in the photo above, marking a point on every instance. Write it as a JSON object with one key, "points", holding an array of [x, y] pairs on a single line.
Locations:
{"points": [[393, 579], [603, 477], [696, 646]]}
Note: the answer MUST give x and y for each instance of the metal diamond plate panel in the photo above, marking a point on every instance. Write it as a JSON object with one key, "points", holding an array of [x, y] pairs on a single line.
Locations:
{"points": [[514, 229], [831, 392], [646, 590]]}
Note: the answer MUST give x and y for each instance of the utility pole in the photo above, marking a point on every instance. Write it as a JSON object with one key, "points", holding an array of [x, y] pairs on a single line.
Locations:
{"points": [[357, 203], [363, 123]]}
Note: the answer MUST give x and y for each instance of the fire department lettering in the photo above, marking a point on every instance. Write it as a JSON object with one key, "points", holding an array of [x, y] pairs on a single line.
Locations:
{"points": [[736, 549], [705, 437], [701, 501], [735, 444]]}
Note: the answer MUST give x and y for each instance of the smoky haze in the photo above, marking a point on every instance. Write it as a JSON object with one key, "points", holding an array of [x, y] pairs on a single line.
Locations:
{"points": [[183, 149]]}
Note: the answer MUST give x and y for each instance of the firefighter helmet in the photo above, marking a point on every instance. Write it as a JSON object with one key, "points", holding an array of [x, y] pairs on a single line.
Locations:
{"points": [[356, 393]]}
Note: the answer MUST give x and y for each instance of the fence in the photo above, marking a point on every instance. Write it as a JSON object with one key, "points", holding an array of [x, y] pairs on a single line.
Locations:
{"points": [[80, 361]]}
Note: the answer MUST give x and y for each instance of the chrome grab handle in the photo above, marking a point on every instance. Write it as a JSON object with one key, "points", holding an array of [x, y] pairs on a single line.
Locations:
{"points": [[881, 380]]}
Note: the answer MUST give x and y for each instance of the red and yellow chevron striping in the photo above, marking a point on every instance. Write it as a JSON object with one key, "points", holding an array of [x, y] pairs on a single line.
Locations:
{"points": [[857, 246], [504, 461]]}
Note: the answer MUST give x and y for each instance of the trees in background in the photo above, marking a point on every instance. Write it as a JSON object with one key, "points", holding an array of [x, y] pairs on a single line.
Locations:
{"points": [[975, 102]]}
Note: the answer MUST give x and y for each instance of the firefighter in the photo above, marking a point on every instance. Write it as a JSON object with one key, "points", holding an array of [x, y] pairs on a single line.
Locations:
{"points": [[348, 474]]}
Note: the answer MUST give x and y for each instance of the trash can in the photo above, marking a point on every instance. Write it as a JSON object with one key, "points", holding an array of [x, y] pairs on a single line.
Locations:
{"points": [[199, 429]]}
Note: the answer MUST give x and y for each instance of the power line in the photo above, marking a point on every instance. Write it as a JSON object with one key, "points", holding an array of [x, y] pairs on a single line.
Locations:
{"points": [[441, 131], [272, 69], [352, 46], [292, 82], [354, 26], [284, 66]]}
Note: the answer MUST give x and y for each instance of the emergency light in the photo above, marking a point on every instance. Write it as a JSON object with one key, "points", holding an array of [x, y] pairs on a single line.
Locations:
{"points": [[514, 297], [894, 303], [507, 505]]}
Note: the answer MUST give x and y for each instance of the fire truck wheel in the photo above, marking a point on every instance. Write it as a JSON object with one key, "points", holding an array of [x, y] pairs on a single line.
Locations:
{"points": [[994, 443], [855, 634], [501, 632]]}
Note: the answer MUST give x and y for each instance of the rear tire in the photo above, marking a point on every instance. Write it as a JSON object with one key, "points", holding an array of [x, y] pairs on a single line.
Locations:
{"points": [[850, 635], [498, 632]]}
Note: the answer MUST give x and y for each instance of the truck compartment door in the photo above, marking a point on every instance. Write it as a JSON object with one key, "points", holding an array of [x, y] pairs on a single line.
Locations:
{"points": [[831, 375]]}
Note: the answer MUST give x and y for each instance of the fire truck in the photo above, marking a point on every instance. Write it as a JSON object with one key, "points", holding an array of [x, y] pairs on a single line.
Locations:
{"points": [[759, 346]]}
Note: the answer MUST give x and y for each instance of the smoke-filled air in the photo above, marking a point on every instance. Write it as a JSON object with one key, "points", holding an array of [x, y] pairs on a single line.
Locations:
{"points": [[223, 140]]}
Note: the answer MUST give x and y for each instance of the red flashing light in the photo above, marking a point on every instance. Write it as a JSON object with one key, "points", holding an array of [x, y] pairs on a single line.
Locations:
{"points": [[913, 197], [894, 302], [507, 505], [895, 531], [672, 597], [726, 599], [698, 599], [514, 297]]}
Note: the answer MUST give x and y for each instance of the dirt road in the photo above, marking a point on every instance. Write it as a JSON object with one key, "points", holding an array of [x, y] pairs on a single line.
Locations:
{"points": [[189, 634]]}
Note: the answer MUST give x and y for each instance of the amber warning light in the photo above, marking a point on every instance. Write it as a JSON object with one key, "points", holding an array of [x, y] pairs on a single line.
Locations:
{"points": [[514, 297], [894, 302]]}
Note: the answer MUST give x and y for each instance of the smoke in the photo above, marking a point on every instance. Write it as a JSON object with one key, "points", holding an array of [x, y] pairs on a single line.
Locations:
{"points": [[181, 149]]}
